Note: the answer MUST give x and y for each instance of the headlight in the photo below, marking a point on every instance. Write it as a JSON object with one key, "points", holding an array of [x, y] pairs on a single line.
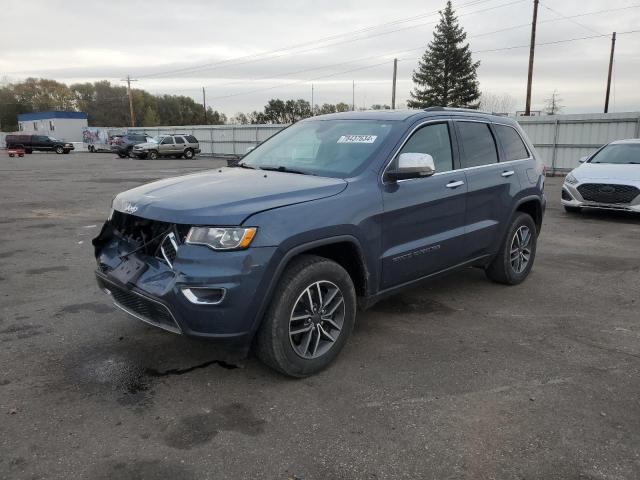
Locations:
{"points": [[221, 238], [571, 180]]}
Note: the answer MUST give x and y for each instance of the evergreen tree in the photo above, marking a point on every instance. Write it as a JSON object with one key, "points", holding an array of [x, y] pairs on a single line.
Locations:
{"points": [[446, 75]]}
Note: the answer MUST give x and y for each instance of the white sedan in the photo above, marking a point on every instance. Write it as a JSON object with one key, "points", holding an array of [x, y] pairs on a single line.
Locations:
{"points": [[610, 179]]}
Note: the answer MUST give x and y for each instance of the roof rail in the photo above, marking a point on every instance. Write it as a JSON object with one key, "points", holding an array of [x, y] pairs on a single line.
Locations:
{"points": [[455, 109]]}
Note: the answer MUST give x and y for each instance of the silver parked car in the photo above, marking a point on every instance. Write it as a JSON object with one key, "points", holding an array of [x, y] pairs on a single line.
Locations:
{"points": [[610, 179], [177, 146]]}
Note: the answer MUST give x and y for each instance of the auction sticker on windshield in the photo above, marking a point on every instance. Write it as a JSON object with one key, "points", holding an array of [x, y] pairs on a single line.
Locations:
{"points": [[357, 139]]}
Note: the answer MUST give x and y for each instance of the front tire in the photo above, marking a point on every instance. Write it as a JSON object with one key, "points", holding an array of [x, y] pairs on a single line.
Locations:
{"points": [[310, 318], [152, 155], [59, 150], [569, 209], [515, 258]]}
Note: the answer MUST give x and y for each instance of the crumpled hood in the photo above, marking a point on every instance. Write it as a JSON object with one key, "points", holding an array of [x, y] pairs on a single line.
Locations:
{"points": [[225, 196], [607, 171]]}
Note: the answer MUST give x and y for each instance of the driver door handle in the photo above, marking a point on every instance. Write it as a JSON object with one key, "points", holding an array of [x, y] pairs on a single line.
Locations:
{"points": [[455, 184], [507, 173]]}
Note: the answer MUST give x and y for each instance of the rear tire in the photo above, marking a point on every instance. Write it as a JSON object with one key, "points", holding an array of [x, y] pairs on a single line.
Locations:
{"points": [[297, 306], [569, 209], [188, 154], [517, 253]]}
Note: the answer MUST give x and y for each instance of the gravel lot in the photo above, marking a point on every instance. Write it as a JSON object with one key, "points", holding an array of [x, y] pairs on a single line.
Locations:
{"points": [[459, 378]]}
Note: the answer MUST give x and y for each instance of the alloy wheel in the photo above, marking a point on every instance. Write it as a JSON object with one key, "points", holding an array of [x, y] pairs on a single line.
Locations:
{"points": [[520, 251], [316, 320]]}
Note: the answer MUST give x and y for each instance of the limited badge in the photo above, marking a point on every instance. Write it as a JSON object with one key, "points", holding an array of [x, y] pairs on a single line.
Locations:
{"points": [[357, 139]]}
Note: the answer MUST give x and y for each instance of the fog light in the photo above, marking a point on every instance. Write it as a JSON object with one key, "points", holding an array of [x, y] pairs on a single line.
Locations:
{"points": [[204, 295]]}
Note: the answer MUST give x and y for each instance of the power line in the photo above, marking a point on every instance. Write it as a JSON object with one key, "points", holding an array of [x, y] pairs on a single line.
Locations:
{"points": [[570, 19], [269, 54], [410, 58]]}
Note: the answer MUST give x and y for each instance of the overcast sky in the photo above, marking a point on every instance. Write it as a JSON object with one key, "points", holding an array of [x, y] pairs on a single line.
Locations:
{"points": [[158, 41]]}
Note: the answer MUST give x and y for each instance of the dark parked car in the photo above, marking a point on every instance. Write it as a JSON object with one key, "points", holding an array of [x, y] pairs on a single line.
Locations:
{"points": [[331, 214], [43, 143], [123, 145]]}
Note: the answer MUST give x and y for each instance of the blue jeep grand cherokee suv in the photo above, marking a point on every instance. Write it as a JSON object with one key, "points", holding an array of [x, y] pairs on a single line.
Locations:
{"points": [[332, 213]]}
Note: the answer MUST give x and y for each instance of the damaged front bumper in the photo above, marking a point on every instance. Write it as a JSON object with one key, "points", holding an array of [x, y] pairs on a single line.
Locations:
{"points": [[193, 290]]}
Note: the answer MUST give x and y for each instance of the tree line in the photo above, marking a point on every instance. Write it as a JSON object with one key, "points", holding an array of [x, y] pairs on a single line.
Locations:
{"points": [[104, 103]]}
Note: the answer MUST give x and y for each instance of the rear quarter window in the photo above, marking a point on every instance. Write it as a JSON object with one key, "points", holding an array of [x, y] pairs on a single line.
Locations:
{"points": [[512, 145], [191, 139]]}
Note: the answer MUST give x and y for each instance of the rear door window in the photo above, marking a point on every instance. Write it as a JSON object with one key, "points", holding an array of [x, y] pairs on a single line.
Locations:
{"points": [[512, 145], [478, 144], [179, 140]]}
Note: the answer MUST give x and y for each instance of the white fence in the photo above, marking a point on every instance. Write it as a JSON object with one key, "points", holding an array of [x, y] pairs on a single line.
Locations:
{"points": [[220, 140], [561, 140]]}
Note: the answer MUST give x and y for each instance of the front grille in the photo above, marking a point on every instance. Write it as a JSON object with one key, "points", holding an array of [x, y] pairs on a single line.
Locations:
{"points": [[138, 305], [608, 193], [148, 234]]}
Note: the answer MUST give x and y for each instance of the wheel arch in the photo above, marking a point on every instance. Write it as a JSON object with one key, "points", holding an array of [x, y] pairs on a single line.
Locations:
{"points": [[345, 250], [532, 206]]}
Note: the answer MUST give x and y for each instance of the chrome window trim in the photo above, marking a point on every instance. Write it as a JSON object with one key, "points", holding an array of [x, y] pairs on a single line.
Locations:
{"points": [[508, 162]]}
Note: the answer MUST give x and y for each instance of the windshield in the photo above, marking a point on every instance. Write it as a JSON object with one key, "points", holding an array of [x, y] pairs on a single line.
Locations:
{"points": [[330, 148], [620, 153], [156, 139]]}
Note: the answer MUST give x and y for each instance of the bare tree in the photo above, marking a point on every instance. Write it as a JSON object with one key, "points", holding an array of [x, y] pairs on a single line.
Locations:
{"points": [[497, 103], [552, 104]]}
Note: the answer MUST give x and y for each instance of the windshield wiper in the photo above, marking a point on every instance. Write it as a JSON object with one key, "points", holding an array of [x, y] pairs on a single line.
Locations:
{"points": [[244, 165], [282, 168]]}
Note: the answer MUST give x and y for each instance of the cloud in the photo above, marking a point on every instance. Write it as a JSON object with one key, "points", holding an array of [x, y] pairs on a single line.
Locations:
{"points": [[75, 40]]}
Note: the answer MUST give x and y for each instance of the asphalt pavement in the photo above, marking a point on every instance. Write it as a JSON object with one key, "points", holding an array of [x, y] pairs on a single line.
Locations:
{"points": [[456, 378]]}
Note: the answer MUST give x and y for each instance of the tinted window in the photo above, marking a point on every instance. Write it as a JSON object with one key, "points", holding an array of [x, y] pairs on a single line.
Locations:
{"points": [[167, 140], [477, 143], [434, 140], [512, 144], [179, 140], [191, 139]]}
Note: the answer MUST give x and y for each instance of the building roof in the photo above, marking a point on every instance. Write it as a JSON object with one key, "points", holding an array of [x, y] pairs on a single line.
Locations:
{"points": [[25, 117]]}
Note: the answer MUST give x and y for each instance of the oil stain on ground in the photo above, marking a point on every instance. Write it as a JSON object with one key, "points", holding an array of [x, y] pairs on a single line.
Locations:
{"points": [[94, 307], [39, 271], [153, 469], [404, 303], [18, 332], [195, 430]]}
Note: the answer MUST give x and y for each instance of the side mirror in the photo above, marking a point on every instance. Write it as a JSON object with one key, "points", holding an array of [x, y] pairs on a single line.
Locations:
{"points": [[584, 159], [413, 165]]}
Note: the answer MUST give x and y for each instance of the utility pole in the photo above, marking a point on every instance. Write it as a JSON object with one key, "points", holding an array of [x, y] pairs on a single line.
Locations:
{"points": [[313, 113], [393, 92], [204, 104], [532, 48], [131, 115], [353, 96], [613, 49]]}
